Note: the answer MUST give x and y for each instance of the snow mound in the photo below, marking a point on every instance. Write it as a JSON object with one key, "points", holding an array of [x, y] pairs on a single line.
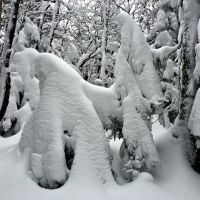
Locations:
{"points": [[67, 103], [175, 180]]}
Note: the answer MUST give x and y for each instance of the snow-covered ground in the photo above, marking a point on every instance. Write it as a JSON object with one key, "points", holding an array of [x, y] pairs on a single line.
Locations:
{"points": [[174, 181]]}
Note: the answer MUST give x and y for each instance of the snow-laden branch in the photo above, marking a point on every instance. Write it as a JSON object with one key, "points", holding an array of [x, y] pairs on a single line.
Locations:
{"points": [[85, 57]]}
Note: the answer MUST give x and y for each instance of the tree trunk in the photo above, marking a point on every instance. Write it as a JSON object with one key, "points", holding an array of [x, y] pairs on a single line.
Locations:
{"points": [[10, 33], [0, 12], [54, 24], [191, 17]]}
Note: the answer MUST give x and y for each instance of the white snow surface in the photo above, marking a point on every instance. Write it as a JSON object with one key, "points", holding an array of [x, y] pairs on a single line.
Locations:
{"points": [[68, 103], [175, 180], [136, 83], [174, 3], [21, 64], [169, 70], [137, 52], [31, 30], [17, 86], [22, 116], [164, 39], [194, 119], [72, 54]]}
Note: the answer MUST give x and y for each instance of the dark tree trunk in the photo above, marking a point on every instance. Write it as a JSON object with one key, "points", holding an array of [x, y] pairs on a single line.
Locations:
{"points": [[0, 12], [191, 17], [10, 33]]}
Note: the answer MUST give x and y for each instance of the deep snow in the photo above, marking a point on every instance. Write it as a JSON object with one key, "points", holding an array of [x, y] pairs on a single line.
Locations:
{"points": [[174, 181]]}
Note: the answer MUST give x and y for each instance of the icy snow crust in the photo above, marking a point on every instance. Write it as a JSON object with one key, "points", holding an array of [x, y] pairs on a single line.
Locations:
{"points": [[68, 103]]}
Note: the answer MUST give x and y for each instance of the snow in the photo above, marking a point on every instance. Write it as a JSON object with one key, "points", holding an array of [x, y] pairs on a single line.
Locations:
{"points": [[14, 100], [87, 56], [174, 3], [133, 45], [21, 64], [196, 72], [22, 116], [72, 54], [175, 180], [163, 53], [132, 72], [31, 30], [113, 46], [160, 21], [163, 39], [12, 107], [22, 41], [6, 124], [62, 102], [193, 123], [169, 71], [68, 103]]}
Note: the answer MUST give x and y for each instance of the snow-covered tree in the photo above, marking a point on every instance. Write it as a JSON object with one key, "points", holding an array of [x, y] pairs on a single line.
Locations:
{"points": [[5, 80], [137, 98], [165, 39], [189, 12]]}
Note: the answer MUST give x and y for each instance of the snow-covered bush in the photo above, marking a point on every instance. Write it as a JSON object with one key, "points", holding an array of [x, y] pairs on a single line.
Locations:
{"points": [[67, 104], [23, 87], [137, 86], [166, 50], [31, 31]]}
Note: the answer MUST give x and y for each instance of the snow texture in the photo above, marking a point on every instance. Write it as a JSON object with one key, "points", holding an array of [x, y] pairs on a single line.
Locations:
{"points": [[22, 116], [163, 53], [174, 3], [176, 180], [22, 41], [132, 71], [137, 52], [164, 39], [68, 103], [194, 119], [14, 100], [22, 62], [196, 72], [31, 30], [72, 54], [160, 21], [169, 70]]}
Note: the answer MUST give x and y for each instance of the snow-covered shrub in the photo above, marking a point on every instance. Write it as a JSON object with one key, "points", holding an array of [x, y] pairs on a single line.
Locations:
{"points": [[22, 62], [68, 104], [167, 54], [137, 86], [23, 88], [31, 31], [14, 101]]}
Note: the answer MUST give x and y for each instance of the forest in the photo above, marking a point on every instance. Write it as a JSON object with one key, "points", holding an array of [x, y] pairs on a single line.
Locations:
{"points": [[100, 99]]}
